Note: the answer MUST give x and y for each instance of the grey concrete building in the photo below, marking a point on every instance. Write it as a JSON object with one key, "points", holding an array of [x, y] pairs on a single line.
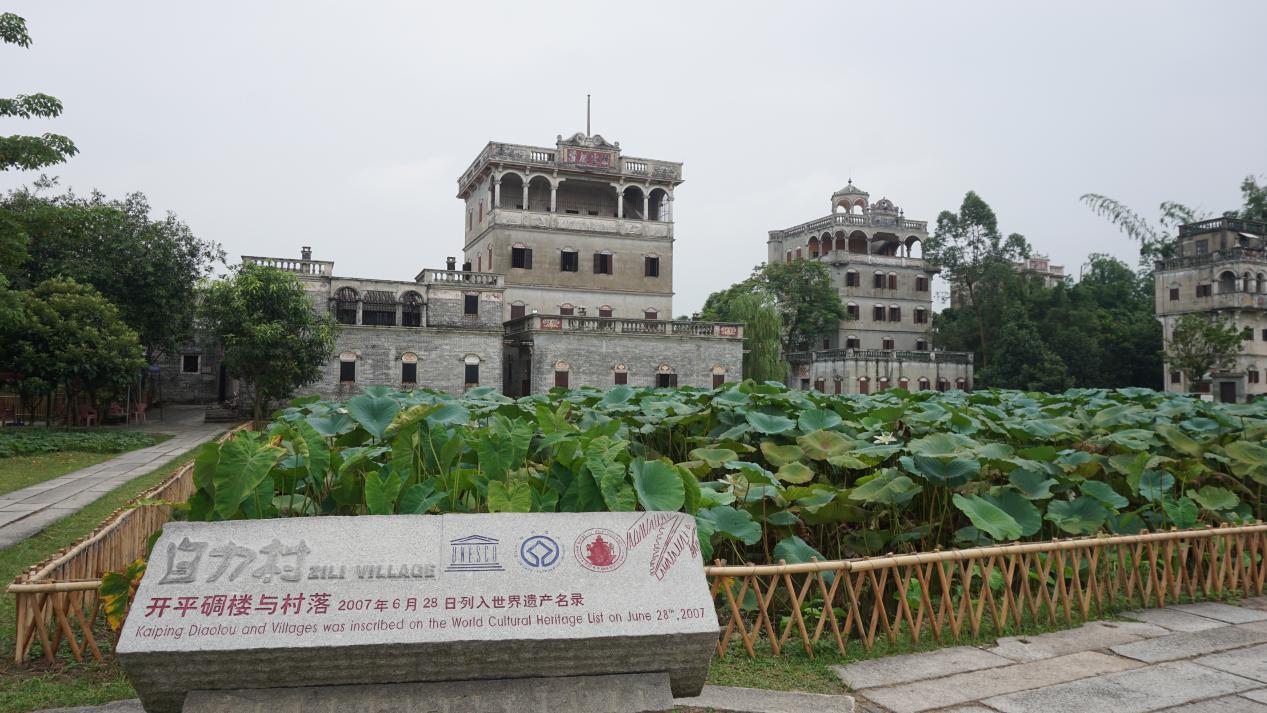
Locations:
{"points": [[874, 255], [1219, 267]]}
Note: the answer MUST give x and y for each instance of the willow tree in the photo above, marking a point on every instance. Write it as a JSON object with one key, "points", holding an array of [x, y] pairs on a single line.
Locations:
{"points": [[763, 331]]}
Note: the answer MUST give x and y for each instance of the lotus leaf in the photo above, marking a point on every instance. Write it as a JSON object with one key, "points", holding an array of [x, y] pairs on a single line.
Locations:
{"points": [[1080, 516]]}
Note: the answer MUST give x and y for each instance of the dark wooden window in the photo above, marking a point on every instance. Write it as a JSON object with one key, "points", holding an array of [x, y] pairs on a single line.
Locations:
{"points": [[666, 381], [852, 311], [189, 364], [837, 386], [820, 385], [718, 380], [604, 311], [895, 314], [347, 371], [877, 313], [921, 283], [851, 279], [521, 258], [878, 281], [567, 310], [921, 317], [1175, 377], [569, 261], [943, 385], [517, 311], [471, 305], [408, 373], [1204, 290], [921, 345], [1251, 376], [863, 386], [472, 374], [1174, 294], [411, 310], [1265, 335], [886, 343], [345, 306], [798, 253], [892, 282], [651, 266], [852, 343], [923, 384], [561, 379], [651, 314], [620, 377], [603, 263]]}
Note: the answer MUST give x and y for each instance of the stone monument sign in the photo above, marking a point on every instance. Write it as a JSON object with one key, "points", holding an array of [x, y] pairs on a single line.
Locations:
{"points": [[233, 607]]}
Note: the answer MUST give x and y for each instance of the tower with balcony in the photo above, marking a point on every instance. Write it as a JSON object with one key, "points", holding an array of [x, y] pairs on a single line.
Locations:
{"points": [[1219, 267], [577, 228], [874, 255]]}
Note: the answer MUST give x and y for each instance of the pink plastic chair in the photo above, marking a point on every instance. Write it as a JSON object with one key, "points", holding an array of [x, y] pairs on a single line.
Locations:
{"points": [[140, 412]]}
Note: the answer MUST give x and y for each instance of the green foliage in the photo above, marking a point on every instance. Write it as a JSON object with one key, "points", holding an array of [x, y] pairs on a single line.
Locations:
{"points": [[29, 152], [23, 441], [796, 298], [768, 473], [1200, 343], [273, 340], [1255, 199]]}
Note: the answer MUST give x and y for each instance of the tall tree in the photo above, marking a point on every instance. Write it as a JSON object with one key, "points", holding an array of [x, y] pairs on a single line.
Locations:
{"points": [[803, 293], [29, 152], [975, 257], [763, 329], [1201, 343], [273, 339], [1255, 199], [1023, 360], [149, 268]]}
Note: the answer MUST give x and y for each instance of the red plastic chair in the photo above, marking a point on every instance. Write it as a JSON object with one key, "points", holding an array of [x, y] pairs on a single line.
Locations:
{"points": [[140, 412]]}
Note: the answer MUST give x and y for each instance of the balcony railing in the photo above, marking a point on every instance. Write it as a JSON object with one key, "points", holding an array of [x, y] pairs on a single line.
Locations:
{"points": [[460, 278], [572, 221], [844, 257], [1217, 224], [881, 355], [847, 220], [520, 154], [317, 268], [1218, 256], [617, 325]]}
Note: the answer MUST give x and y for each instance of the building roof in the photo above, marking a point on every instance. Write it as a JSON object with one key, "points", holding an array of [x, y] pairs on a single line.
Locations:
{"points": [[850, 190]]}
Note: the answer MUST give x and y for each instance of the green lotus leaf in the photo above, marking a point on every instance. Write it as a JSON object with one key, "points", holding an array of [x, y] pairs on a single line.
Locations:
{"points": [[1014, 503], [848, 460], [818, 419], [887, 487], [1105, 493], [1154, 484], [1033, 485], [779, 455], [950, 472], [1179, 440], [1080, 516], [795, 473], [782, 518], [820, 445], [988, 517], [657, 485], [1182, 512], [732, 524], [714, 457], [1247, 453], [1214, 498], [770, 425], [751, 471]]}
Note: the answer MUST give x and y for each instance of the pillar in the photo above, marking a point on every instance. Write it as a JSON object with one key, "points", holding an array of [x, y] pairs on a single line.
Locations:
{"points": [[525, 195], [497, 193], [666, 212], [646, 205], [620, 203], [400, 314], [554, 190], [359, 304]]}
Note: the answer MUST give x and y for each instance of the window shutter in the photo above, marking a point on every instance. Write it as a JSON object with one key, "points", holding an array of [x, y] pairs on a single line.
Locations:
{"points": [[892, 282], [598, 261], [528, 258]]}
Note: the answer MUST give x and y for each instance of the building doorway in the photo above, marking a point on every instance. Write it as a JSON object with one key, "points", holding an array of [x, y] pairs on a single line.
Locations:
{"points": [[1227, 392]]}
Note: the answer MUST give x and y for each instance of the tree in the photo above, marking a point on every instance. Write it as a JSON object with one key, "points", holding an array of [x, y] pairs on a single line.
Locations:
{"points": [[1023, 360], [763, 328], [975, 258], [1199, 344], [810, 307], [149, 268], [29, 152], [273, 339], [66, 334], [1255, 197]]}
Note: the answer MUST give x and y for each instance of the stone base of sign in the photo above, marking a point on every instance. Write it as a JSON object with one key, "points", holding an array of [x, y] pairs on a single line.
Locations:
{"points": [[628, 693]]}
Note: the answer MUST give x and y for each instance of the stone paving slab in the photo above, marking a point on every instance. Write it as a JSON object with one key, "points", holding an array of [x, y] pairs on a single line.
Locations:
{"points": [[1088, 637], [1259, 603], [1139, 691], [1173, 619], [1223, 704], [129, 706], [1259, 695], [1187, 644], [1249, 663], [728, 699], [892, 670], [965, 687], [1222, 612]]}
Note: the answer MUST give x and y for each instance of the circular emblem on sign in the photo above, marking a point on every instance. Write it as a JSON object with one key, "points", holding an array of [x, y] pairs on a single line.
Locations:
{"points": [[599, 550], [540, 553]]}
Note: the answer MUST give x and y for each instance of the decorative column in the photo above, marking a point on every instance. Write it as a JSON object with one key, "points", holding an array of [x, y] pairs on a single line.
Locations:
{"points": [[620, 203], [554, 190], [497, 193], [400, 314], [646, 205], [525, 195], [359, 304], [666, 212]]}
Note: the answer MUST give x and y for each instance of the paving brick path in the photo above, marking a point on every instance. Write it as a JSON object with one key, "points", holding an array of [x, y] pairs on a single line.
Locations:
{"points": [[1189, 658], [25, 512]]}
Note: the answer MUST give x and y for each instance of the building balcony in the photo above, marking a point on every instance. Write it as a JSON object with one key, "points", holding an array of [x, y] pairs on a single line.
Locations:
{"points": [[545, 323], [461, 278], [313, 268], [1220, 224], [1218, 257], [843, 257], [550, 158], [544, 220], [880, 355], [848, 221]]}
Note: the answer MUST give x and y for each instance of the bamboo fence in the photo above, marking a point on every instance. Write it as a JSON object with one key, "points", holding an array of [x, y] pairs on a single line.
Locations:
{"points": [[57, 599]]}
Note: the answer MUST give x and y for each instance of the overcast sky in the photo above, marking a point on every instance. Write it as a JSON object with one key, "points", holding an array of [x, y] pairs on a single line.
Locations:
{"points": [[344, 125]]}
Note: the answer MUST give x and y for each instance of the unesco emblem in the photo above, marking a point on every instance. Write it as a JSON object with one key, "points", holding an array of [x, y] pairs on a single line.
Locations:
{"points": [[540, 553], [599, 550], [474, 553]]}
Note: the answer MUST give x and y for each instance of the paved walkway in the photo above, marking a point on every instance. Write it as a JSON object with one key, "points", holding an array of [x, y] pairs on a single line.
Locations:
{"points": [[25, 512], [1189, 658]]}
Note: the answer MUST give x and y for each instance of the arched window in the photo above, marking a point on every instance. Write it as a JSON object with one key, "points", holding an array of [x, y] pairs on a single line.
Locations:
{"points": [[1260, 284], [895, 313], [892, 280], [719, 376], [852, 342], [820, 385], [378, 308], [813, 247], [518, 309], [566, 309], [836, 385], [921, 315], [605, 311], [411, 309], [471, 373], [1247, 283], [904, 383], [923, 383], [660, 202], [851, 278], [347, 368], [650, 314], [921, 345], [960, 383], [408, 368], [879, 280], [511, 191], [943, 384], [863, 386], [345, 305], [883, 384], [1227, 282], [842, 243], [851, 309], [561, 371], [620, 374], [665, 377]]}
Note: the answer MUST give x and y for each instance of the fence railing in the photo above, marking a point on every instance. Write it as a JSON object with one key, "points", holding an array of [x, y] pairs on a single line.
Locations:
{"points": [[57, 599], [955, 593]]}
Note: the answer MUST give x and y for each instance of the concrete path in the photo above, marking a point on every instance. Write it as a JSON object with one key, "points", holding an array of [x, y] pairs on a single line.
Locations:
{"points": [[1189, 658], [25, 512]]}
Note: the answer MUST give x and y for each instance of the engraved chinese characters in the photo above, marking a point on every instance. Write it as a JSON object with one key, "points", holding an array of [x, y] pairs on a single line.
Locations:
{"points": [[418, 598]]}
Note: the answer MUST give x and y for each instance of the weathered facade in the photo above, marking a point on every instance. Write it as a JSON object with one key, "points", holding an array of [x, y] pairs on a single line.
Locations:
{"points": [[1219, 267], [874, 256]]}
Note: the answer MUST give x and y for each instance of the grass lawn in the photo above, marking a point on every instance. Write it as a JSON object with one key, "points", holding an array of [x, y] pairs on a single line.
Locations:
{"points": [[37, 685], [22, 471]]}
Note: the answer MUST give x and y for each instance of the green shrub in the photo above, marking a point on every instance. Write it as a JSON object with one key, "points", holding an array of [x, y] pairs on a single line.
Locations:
{"points": [[28, 441]]}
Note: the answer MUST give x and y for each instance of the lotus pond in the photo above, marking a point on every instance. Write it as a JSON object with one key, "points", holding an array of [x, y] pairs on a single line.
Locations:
{"points": [[769, 473]]}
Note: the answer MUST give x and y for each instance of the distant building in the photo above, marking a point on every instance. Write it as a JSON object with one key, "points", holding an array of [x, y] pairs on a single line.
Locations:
{"points": [[567, 280], [1219, 267], [1038, 268], [875, 258]]}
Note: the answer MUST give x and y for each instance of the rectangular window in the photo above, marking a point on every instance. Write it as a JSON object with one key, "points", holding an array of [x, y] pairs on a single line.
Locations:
{"points": [[1174, 294], [878, 281], [826, 343], [189, 364], [1175, 377], [851, 279], [1203, 247], [1248, 333], [603, 263], [852, 311], [569, 261], [651, 314], [561, 379], [798, 253], [651, 266], [895, 314], [921, 284], [1204, 290], [820, 385], [604, 311], [472, 375], [1265, 335], [718, 380], [521, 258], [472, 305], [892, 282], [886, 344], [921, 345], [408, 373], [620, 377], [666, 381], [347, 371], [852, 343], [567, 310], [921, 317], [877, 313], [516, 311], [1252, 376]]}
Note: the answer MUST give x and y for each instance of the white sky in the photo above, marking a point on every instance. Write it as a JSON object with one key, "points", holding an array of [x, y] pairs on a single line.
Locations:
{"points": [[344, 125]]}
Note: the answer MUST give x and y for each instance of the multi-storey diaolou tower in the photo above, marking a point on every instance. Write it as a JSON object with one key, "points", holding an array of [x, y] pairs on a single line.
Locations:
{"points": [[577, 228]]}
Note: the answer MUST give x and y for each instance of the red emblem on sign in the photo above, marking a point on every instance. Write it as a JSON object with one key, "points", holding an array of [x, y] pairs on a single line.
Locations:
{"points": [[600, 550]]}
